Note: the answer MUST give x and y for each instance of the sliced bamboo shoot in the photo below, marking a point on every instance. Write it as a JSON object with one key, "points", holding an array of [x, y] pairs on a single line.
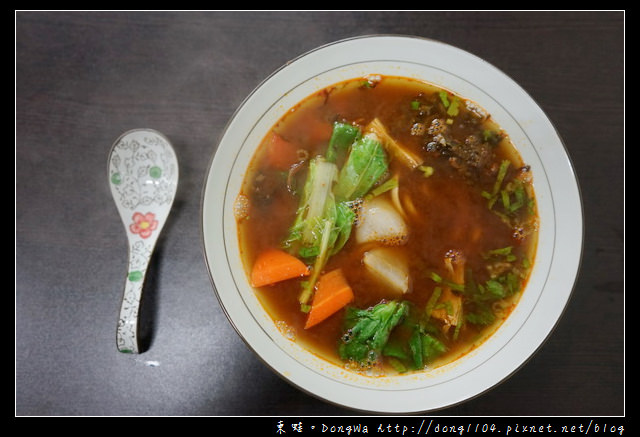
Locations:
{"points": [[397, 150], [449, 308]]}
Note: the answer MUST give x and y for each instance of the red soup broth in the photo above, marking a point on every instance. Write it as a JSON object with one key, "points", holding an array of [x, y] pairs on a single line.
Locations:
{"points": [[469, 204]]}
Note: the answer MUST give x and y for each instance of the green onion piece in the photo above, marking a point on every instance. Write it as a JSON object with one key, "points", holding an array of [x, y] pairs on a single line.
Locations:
{"points": [[502, 172], [415, 345], [470, 285], [436, 277], [492, 201], [447, 306], [492, 137], [426, 170], [415, 104], [520, 198], [444, 97], [505, 200], [456, 332], [503, 217], [502, 251], [431, 303], [390, 184], [454, 286], [452, 110]]}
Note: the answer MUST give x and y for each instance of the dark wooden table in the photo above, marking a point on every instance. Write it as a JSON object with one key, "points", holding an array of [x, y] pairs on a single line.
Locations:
{"points": [[84, 78]]}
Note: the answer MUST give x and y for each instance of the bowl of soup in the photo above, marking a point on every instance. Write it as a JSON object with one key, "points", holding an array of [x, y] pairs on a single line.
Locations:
{"points": [[391, 224]]}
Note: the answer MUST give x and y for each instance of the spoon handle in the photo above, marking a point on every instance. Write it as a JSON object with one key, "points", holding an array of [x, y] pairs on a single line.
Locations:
{"points": [[127, 332]]}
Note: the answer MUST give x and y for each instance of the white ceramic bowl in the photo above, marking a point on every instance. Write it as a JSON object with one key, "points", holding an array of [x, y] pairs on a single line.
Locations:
{"points": [[560, 238]]}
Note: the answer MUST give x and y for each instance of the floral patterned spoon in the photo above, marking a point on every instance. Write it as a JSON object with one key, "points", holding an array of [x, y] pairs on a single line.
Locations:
{"points": [[143, 176]]}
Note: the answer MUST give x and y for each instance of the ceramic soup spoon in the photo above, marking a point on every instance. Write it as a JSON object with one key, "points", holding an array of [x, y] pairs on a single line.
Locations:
{"points": [[143, 176]]}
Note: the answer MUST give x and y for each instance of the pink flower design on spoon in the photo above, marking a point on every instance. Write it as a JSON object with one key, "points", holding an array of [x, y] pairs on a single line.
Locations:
{"points": [[143, 224]]}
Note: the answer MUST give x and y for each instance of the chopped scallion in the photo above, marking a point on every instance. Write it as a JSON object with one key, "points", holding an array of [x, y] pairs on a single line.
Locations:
{"points": [[452, 110], [490, 136], [415, 345], [520, 197], [505, 200], [454, 286], [437, 278], [456, 332], [305, 308], [431, 303], [502, 251], [444, 98], [502, 172], [390, 184], [426, 170], [447, 306]]}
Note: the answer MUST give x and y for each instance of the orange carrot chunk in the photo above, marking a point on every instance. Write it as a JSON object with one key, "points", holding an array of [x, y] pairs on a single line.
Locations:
{"points": [[332, 294], [275, 265], [281, 154]]}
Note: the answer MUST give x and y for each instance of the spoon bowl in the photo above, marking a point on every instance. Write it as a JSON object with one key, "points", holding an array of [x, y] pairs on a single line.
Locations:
{"points": [[143, 177]]}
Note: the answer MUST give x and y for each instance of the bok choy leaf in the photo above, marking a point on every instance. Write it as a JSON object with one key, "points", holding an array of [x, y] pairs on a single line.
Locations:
{"points": [[325, 214], [317, 203], [322, 226], [342, 137], [367, 331], [365, 165]]}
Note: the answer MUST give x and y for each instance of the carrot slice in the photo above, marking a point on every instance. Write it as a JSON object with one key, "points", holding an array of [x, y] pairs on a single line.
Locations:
{"points": [[281, 154], [275, 265], [332, 293]]}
